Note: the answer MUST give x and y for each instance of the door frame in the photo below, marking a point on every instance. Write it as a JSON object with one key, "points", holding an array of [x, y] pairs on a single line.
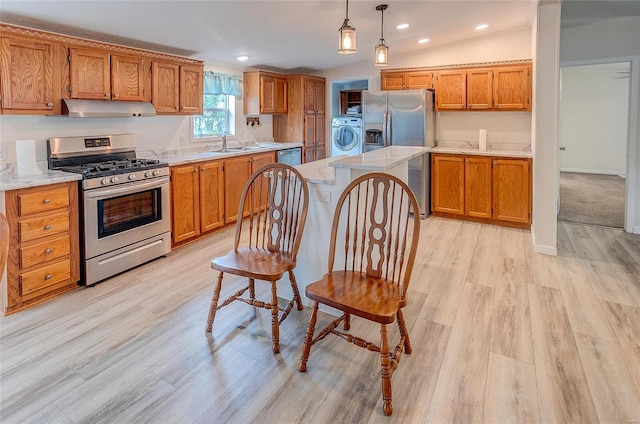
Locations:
{"points": [[633, 144]]}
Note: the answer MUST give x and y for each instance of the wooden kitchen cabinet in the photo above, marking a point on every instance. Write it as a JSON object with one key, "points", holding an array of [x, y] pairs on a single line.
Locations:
{"points": [[27, 83], [264, 93], [196, 200], [177, 89], [99, 75], [480, 188], [44, 257], [451, 90], [512, 88], [479, 89], [305, 120], [237, 171], [409, 80]]}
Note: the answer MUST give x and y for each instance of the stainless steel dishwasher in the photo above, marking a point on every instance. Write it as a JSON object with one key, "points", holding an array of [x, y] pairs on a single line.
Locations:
{"points": [[292, 156]]}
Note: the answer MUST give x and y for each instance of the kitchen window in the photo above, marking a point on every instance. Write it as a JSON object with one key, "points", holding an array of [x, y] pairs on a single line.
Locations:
{"points": [[219, 106], [218, 117]]}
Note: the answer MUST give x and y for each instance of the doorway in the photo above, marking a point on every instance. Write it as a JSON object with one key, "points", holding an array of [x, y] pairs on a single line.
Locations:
{"points": [[593, 140]]}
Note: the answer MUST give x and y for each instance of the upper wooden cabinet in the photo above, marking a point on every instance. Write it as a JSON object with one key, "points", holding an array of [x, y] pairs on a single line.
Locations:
{"points": [[99, 75], [496, 88], [176, 89], [39, 69], [264, 93], [408, 80], [314, 95], [27, 75]]}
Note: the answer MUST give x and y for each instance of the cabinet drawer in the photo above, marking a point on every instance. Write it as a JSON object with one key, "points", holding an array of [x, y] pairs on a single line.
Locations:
{"points": [[42, 201], [30, 229], [44, 251], [45, 277]]}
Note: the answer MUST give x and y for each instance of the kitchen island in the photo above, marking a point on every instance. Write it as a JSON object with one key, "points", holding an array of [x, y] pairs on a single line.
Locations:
{"points": [[327, 179]]}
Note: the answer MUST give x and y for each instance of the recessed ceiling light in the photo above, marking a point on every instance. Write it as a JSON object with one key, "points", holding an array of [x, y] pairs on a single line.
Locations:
{"points": [[482, 26], [242, 58], [423, 40], [402, 26]]}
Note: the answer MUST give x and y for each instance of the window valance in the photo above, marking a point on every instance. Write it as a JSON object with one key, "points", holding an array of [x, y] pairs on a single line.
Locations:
{"points": [[219, 83]]}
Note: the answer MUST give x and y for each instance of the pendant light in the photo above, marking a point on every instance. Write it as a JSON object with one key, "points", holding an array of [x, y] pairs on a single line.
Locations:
{"points": [[347, 36], [382, 50]]}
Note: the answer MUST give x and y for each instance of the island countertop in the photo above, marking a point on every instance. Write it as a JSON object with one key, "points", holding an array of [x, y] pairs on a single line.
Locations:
{"points": [[380, 160]]}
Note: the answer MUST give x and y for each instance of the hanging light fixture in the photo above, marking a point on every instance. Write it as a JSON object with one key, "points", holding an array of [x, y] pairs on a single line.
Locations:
{"points": [[382, 50], [347, 36]]}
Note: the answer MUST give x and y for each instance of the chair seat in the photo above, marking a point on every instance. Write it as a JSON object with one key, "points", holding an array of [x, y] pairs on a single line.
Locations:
{"points": [[357, 294], [256, 263]]}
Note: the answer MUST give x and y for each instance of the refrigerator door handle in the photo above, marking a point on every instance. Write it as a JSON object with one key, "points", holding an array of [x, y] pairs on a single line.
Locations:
{"points": [[388, 133]]}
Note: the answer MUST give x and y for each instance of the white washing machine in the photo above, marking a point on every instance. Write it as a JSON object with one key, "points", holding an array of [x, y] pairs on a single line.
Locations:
{"points": [[346, 135]]}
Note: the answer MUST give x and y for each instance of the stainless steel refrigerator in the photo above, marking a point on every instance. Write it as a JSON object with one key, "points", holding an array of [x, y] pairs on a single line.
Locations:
{"points": [[402, 118]]}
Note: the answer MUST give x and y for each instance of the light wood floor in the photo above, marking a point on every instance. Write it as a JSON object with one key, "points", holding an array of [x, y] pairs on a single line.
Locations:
{"points": [[500, 335]]}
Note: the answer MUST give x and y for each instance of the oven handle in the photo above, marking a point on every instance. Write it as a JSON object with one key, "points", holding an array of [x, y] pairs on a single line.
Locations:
{"points": [[130, 188]]}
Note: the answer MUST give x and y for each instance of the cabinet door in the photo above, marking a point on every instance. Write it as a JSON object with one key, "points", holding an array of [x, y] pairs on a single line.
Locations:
{"points": [[211, 196], [90, 74], [257, 162], [447, 184], [479, 89], [27, 76], [236, 173], [310, 96], [185, 211], [310, 130], [418, 79], [477, 187], [280, 87], [165, 93], [128, 78], [512, 88], [320, 131], [512, 190], [451, 90], [313, 153], [191, 92], [267, 94], [320, 96], [392, 81]]}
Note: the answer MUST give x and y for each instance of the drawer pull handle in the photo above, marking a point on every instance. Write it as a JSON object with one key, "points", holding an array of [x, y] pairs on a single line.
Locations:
{"points": [[47, 251], [46, 201], [47, 227], [48, 277]]}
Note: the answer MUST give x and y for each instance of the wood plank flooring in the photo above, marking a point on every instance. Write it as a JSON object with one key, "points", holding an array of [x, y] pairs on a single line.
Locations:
{"points": [[500, 335]]}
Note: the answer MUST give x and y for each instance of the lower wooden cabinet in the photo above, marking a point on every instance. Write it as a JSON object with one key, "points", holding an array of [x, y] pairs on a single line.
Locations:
{"points": [[486, 189], [205, 195], [44, 256]]}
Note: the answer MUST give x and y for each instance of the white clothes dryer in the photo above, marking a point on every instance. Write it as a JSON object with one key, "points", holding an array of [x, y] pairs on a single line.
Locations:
{"points": [[346, 135]]}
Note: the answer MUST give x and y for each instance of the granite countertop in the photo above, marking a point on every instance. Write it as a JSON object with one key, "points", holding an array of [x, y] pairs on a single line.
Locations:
{"points": [[319, 172], [48, 176], [514, 150], [380, 160], [174, 157]]}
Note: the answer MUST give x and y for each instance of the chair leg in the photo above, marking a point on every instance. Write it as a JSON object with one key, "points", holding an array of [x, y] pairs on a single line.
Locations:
{"points": [[402, 327], [385, 360], [214, 304], [275, 324], [308, 339], [347, 321], [294, 288], [252, 289]]}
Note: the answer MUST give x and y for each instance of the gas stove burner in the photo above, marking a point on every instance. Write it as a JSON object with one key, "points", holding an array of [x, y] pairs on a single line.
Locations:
{"points": [[114, 167]]}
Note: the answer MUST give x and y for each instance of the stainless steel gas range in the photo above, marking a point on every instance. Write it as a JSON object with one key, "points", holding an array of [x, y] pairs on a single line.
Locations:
{"points": [[124, 202]]}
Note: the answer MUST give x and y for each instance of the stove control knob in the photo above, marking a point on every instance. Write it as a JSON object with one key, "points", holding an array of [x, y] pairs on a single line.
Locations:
{"points": [[104, 181], [156, 173], [114, 179], [132, 176], [147, 174]]}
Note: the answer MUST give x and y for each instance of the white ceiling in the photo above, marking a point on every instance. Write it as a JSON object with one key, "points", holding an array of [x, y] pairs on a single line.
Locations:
{"points": [[287, 36]]}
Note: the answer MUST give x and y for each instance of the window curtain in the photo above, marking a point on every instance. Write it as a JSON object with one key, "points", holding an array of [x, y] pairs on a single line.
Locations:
{"points": [[219, 83]]}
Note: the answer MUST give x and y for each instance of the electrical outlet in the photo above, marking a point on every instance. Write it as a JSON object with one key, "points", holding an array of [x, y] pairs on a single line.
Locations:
{"points": [[182, 140], [323, 196]]}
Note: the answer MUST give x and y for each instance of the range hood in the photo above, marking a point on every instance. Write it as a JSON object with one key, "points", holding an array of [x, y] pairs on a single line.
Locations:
{"points": [[75, 108]]}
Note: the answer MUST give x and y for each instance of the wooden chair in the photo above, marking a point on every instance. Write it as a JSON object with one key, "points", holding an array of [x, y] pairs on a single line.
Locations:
{"points": [[275, 202], [4, 243], [371, 256]]}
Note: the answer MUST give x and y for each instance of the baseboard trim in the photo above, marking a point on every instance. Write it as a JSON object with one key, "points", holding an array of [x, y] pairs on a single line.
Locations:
{"points": [[545, 250], [622, 174], [636, 230]]}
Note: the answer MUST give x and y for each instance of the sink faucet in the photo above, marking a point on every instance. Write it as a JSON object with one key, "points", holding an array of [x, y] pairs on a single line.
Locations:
{"points": [[224, 142]]}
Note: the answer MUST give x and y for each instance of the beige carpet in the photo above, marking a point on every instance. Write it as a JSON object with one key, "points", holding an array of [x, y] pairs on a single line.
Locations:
{"points": [[593, 199]]}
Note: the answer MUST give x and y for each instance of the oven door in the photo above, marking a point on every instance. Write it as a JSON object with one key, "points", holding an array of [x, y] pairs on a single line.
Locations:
{"points": [[115, 217]]}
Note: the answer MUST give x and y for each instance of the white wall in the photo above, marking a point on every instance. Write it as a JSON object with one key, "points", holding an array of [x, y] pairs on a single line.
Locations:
{"points": [[608, 41], [594, 113]]}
